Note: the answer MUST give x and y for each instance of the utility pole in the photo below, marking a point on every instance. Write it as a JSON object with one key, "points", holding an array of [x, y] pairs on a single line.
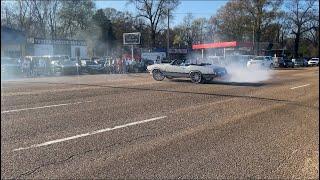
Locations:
{"points": [[168, 29], [131, 52], [253, 41]]}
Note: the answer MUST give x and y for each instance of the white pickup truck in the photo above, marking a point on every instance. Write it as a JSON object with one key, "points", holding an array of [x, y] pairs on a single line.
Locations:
{"points": [[198, 73]]}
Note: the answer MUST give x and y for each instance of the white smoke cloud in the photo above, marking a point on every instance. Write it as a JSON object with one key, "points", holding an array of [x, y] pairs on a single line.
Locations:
{"points": [[243, 74], [236, 66]]}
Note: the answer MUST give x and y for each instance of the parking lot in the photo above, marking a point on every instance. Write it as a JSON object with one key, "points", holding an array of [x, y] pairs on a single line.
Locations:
{"points": [[130, 126]]}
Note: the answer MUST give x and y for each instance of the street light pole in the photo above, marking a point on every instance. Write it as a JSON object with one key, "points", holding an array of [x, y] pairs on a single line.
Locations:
{"points": [[253, 41]]}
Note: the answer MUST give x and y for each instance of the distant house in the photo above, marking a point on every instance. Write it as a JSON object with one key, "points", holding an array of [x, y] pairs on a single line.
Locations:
{"points": [[16, 44], [13, 42]]}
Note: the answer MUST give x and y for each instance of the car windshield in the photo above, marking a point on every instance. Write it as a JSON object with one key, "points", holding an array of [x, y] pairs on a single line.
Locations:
{"points": [[178, 62], [159, 89]]}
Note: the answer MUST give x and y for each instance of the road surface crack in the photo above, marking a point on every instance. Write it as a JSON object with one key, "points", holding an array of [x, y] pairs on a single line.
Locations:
{"points": [[29, 172]]}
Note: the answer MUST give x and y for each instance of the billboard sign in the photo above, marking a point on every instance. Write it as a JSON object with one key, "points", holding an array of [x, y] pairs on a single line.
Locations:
{"points": [[131, 38]]}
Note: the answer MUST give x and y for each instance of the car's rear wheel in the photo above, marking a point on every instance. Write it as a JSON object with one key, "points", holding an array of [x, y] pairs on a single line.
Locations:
{"points": [[157, 75], [196, 77]]}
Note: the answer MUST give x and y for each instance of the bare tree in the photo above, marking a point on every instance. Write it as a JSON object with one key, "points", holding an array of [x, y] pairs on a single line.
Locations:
{"points": [[8, 14], [75, 16], [154, 11], [301, 14], [54, 6], [185, 31], [40, 13], [262, 13], [199, 29]]}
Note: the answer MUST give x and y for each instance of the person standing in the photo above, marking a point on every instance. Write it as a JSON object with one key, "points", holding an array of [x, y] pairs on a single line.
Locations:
{"points": [[32, 66], [119, 65], [126, 65], [26, 67], [158, 61]]}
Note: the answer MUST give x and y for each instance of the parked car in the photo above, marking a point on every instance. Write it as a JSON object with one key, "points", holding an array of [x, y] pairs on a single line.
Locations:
{"points": [[83, 64], [63, 65], [298, 62], [9, 67], [313, 62], [198, 73], [286, 63], [70, 67], [96, 66], [261, 62]]}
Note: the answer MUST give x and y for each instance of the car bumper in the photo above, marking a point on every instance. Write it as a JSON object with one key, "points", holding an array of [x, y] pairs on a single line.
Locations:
{"points": [[310, 64], [216, 74]]}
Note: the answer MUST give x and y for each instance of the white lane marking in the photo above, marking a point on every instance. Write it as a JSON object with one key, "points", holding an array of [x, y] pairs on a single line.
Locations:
{"points": [[41, 107], [300, 86], [89, 133]]}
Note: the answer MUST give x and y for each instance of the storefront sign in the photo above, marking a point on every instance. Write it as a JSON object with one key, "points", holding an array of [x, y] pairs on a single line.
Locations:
{"points": [[56, 41]]}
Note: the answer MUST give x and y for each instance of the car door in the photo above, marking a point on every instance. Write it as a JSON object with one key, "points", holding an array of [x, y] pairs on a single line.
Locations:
{"points": [[177, 69]]}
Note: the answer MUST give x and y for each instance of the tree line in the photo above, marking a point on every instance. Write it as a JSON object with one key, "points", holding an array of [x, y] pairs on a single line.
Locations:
{"points": [[291, 24]]}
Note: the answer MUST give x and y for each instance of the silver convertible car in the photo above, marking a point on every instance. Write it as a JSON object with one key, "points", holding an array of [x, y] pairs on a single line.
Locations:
{"points": [[198, 73]]}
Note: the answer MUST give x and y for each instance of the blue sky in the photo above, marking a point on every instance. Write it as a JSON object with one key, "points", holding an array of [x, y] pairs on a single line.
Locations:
{"points": [[197, 8]]}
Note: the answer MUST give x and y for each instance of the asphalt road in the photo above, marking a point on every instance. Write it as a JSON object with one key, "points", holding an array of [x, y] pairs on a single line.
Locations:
{"points": [[130, 126]]}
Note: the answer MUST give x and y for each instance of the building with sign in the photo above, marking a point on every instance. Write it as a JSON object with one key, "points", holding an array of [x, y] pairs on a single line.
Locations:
{"points": [[223, 48], [12, 42], [178, 53], [234, 48], [41, 47]]}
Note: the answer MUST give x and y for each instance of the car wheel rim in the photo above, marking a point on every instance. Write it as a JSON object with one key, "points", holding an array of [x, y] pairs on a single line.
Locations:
{"points": [[158, 76], [196, 77]]}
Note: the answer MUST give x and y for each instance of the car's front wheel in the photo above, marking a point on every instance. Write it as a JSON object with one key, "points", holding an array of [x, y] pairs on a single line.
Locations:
{"points": [[157, 75], [196, 77]]}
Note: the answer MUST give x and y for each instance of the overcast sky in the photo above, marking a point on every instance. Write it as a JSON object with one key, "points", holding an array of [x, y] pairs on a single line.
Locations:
{"points": [[197, 8]]}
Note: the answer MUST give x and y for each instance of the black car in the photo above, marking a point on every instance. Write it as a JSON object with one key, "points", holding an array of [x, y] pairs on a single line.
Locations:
{"points": [[286, 63], [62, 64], [298, 62], [93, 66]]}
